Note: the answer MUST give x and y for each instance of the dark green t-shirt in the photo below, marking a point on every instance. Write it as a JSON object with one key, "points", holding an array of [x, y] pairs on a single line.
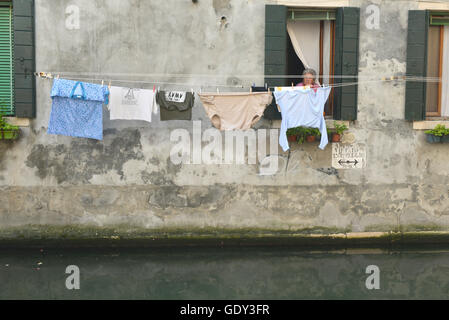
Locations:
{"points": [[175, 105]]}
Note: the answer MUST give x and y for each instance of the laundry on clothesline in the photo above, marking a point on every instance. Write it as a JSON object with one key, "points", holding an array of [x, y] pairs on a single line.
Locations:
{"points": [[77, 109], [235, 111], [175, 105], [302, 107], [131, 104], [272, 111]]}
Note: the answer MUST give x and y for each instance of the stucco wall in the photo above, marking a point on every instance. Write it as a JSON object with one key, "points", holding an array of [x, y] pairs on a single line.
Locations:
{"points": [[128, 179]]}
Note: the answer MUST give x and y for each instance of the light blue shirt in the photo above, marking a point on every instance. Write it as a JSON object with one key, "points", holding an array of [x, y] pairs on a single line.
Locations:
{"points": [[302, 107], [77, 109]]}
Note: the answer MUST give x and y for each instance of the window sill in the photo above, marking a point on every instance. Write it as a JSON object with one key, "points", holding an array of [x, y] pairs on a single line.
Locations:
{"points": [[329, 123], [429, 124], [20, 122]]}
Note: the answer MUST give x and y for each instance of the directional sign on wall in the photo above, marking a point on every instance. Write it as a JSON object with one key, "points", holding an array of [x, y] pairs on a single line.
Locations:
{"points": [[348, 156]]}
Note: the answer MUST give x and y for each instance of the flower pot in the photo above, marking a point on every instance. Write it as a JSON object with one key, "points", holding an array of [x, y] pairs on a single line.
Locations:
{"points": [[310, 138], [445, 139], [433, 139], [291, 138], [9, 134], [336, 137]]}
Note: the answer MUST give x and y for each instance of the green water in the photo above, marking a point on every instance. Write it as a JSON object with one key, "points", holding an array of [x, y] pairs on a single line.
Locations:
{"points": [[217, 273]]}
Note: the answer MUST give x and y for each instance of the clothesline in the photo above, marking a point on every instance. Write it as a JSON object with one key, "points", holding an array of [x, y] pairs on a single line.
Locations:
{"points": [[192, 85], [249, 76], [216, 76]]}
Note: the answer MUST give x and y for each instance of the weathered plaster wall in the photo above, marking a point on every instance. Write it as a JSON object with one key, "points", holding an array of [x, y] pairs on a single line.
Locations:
{"points": [[129, 180]]}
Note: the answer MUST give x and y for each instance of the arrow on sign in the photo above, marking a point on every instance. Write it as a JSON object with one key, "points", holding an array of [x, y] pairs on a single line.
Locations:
{"points": [[355, 162]]}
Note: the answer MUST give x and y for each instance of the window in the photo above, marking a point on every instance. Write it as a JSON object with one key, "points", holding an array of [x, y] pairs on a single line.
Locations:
{"points": [[343, 52], [6, 59], [314, 47], [427, 96], [437, 102]]}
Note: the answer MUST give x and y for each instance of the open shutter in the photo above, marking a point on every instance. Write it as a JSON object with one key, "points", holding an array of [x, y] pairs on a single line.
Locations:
{"points": [[275, 44], [346, 62], [24, 58], [415, 91], [6, 60]]}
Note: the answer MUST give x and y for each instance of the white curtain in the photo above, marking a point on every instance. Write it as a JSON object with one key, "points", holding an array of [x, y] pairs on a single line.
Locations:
{"points": [[305, 37], [445, 75]]}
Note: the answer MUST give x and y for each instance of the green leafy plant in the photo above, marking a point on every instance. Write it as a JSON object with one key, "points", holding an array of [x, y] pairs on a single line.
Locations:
{"points": [[4, 125], [301, 134], [291, 132], [340, 128], [8, 131], [316, 132], [438, 131]]}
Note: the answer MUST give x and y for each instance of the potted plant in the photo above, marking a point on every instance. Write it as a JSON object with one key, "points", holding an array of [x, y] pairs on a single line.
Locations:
{"points": [[292, 135], [310, 135], [445, 137], [339, 130], [8, 131], [301, 134], [435, 135]]}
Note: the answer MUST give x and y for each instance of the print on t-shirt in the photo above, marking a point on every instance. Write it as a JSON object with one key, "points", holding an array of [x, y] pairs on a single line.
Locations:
{"points": [[130, 96], [175, 96]]}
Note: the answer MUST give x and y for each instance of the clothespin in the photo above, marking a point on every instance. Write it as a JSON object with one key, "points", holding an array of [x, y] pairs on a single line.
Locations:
{"points": [[154, 88], [292, 85], [266, 86], [158, 89], [218, 91], [250, 89], [109, 85], [191, 90], [57, 77]]}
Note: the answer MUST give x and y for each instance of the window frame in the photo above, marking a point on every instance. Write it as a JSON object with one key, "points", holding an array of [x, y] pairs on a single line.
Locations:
{"points": [[320, 14], [432, 115]]}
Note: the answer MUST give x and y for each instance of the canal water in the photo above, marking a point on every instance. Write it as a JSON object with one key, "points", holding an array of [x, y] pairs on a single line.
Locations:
{"points": [[224, 273]]}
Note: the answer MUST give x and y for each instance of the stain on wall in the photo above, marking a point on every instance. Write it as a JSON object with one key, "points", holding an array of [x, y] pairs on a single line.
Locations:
{"points": [[83, 158]]}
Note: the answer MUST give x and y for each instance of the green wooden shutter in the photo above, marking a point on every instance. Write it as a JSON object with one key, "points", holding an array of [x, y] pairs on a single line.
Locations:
{"points": [[24, 54], [6, 60], [346, 62], [415, 91], [275, 44]]}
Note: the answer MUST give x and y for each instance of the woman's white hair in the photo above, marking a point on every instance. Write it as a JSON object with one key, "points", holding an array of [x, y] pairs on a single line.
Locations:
{"points": [[310, 71]]}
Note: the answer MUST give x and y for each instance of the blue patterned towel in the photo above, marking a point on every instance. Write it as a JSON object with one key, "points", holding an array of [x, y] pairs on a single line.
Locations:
{"points": [[77, 109]]}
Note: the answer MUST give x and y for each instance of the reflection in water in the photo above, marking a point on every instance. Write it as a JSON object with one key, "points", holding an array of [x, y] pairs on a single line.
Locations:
{"points": [[231, 273]]}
